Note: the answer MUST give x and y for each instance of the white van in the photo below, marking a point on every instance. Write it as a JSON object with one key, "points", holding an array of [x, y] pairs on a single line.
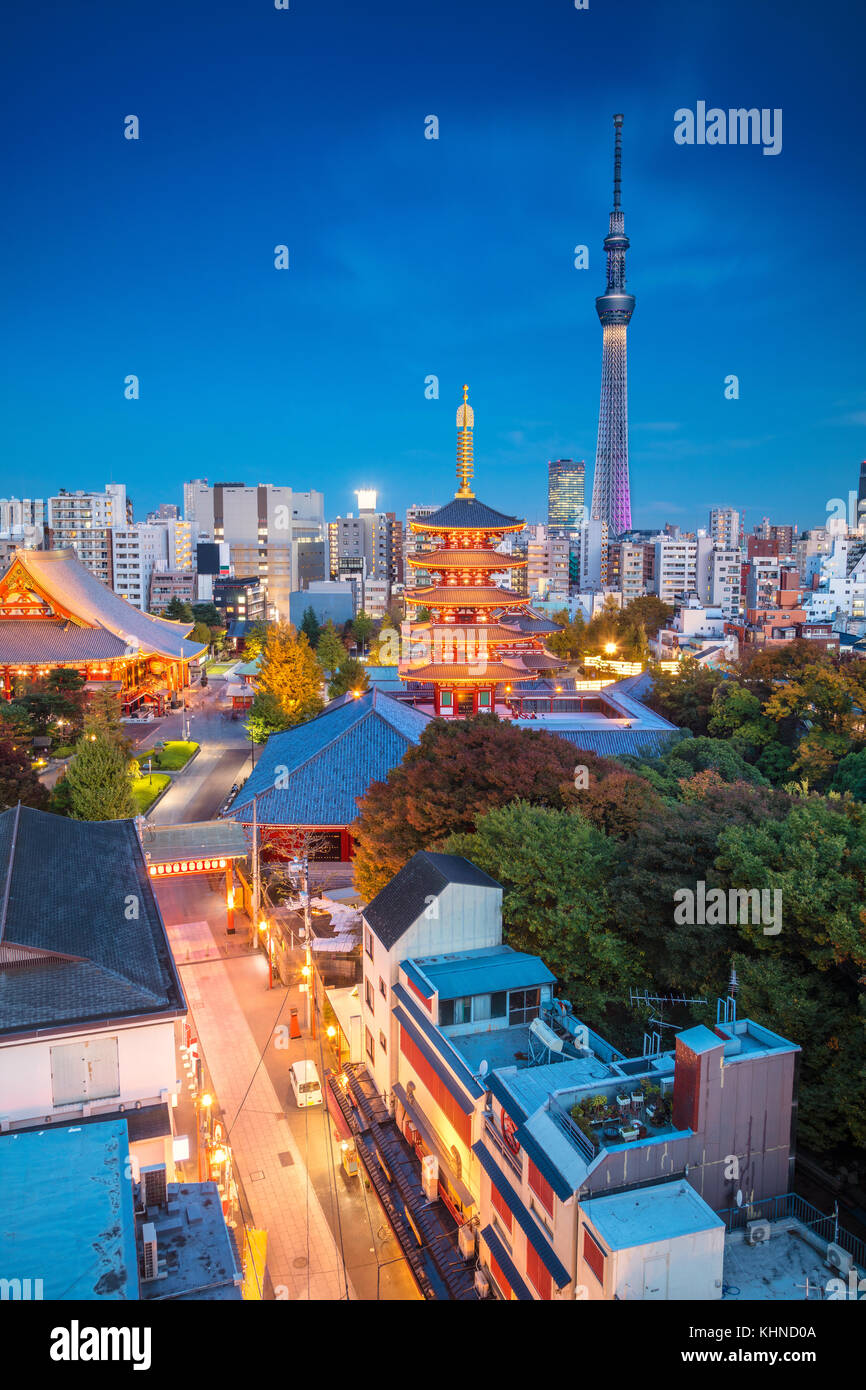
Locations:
{"points": [[305, 1083]]}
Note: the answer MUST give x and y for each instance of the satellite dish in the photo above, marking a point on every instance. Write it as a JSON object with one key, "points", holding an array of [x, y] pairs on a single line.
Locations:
{"points": [[482, 1067], [739, 1197]]}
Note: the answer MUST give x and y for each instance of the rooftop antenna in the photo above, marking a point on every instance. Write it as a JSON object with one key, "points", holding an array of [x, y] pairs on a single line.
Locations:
{"points": [[641, 998]]}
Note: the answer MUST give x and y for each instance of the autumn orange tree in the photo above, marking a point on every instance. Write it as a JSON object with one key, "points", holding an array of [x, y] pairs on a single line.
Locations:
{"points": [[459, 770], [289, 683]]}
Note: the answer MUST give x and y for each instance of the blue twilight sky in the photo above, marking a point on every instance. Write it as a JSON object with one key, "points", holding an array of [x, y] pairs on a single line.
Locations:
{"points": [[411, 257]]}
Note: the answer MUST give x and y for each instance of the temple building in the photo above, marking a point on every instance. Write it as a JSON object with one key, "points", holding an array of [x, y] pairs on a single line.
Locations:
{"points": [[471, 651], [55, 614]]}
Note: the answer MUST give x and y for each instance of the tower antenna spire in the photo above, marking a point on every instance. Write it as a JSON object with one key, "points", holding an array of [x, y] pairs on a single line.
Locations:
{"points": [[611, 502], [617, 159], [465, 465]]}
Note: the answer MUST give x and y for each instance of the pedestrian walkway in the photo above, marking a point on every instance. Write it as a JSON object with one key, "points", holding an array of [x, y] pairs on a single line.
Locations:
{"points": [[303, 1258]]}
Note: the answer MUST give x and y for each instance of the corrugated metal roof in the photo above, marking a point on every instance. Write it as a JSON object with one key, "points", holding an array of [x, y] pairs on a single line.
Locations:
{"points": [[505, 1262], [485, 972], [223, 838], [648, 743]]}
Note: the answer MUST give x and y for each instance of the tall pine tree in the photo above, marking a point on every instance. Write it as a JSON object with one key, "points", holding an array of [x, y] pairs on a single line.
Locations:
{"points": [[330, 651], [99, 780]]}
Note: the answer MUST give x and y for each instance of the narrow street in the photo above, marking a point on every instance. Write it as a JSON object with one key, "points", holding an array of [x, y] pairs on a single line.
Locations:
{"points": [[225, 755], [288, 1160]]}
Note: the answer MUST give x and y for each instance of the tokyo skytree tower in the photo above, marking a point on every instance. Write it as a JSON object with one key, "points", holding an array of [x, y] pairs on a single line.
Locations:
{"points": [[610, 494]]}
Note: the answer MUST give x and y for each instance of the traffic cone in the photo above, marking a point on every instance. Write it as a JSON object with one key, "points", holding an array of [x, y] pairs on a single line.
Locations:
{"points": [[294, 1026]]}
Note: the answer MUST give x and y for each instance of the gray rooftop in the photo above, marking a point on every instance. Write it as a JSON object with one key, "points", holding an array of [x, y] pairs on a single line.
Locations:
{"points": [[401, 902], [81, 935]]}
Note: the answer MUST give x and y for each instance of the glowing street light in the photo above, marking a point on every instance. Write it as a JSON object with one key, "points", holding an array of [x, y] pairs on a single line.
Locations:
{"points": [[610, 648]]}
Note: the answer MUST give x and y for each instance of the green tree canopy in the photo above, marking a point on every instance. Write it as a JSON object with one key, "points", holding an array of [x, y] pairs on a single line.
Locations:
{"points": [[363, 628], [99, 780], [178, 611], [266, 717], [330, 651], [685, 696], [555, 867], [310, 625], [18, 781], [206, 613], [458, 770], [351, 675], [255, 640]]}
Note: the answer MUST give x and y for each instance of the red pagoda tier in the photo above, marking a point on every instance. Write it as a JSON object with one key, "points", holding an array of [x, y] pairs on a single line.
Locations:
{"points": [[470, 646]]}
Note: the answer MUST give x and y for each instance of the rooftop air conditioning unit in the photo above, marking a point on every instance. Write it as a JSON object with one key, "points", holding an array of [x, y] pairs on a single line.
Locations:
{"points": [[482, 1285], [839, 1259], [757, 1232], [430, 1176], [466, 1240], [154, 1179], [148, 1239]]}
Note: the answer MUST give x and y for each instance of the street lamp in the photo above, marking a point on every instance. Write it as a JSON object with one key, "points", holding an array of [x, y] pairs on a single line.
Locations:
{"points": [[610, 648]]}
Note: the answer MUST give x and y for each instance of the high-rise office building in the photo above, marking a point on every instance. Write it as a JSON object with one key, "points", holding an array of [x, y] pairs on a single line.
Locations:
{"points": [[611, 501], [566, 509], [267, 530]]}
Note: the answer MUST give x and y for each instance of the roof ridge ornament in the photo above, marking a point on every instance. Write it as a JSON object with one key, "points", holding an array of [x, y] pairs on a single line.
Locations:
{"points": [[465, 466]]}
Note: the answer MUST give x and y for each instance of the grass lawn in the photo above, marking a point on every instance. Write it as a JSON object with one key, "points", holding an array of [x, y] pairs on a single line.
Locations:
{"points": [[175, 755], [64, 751], [146, 789], [219, 668]]}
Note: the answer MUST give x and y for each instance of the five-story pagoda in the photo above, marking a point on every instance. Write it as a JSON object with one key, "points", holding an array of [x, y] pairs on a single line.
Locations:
{"points": [[468, 651]]}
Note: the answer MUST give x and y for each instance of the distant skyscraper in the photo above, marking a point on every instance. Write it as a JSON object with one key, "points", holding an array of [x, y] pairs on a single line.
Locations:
{"points": [[565, 495], [610, 491], [861, 496]]}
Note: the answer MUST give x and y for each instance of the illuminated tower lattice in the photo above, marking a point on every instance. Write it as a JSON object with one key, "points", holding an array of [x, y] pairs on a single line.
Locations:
{"points": [[610, 490]]}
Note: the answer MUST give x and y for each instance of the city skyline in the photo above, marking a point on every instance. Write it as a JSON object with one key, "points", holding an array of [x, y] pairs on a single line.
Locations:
{"points": [[163, 264]]}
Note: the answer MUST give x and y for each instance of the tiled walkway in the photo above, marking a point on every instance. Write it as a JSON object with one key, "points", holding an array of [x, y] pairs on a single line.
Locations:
{"points": [[303, 1260]]}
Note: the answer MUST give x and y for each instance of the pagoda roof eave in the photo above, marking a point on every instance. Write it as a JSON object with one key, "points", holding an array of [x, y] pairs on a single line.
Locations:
{"points": [[466, 596], [436, 560]]}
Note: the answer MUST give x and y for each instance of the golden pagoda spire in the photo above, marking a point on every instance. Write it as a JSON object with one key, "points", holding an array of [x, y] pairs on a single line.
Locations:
{"points": [[465, 424]]}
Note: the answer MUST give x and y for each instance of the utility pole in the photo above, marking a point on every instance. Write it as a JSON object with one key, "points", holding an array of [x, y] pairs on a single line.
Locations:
{"points": [[256, 883], [308, 970]]}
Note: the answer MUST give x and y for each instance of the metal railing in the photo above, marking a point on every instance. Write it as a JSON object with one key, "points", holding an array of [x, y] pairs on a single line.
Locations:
{"points": [[585, 1147], [513, 1160], [790, 1205]]}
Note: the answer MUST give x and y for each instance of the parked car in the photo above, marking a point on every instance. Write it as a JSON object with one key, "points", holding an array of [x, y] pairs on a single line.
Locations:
{"points": [[305, 1083]]}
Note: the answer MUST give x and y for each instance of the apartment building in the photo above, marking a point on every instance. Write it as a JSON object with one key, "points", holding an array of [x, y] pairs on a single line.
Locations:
{"points": [[533, 1130], [83, 521], [682, 566], [726, 525], [726, 579], [91, 996], [547, 563]]}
